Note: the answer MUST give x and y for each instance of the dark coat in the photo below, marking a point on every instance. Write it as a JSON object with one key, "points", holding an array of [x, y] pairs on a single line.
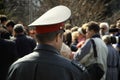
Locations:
{"points": [[7, 56], [25, 45], [44, 64]]}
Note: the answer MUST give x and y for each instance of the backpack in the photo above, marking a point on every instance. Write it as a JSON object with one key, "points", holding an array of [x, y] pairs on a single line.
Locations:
{"points": [[93, 71]]}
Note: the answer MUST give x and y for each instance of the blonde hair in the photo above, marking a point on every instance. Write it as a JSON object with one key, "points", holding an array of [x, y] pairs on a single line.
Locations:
{"points": [[75, 35], [75, 28], [84, 27]]}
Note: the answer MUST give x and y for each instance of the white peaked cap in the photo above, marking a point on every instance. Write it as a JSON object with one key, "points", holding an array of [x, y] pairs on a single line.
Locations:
{"points": [[55, 15]]}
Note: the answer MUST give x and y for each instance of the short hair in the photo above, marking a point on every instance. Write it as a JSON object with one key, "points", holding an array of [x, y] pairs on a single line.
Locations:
{"points": [[3, 18], [10, 23], [68, 26], [92, 25], [18, 28], [46, 37], [67, 37], [75, 28], [106, 39], [84, 27], [75, 35], [104, 24], [113, 26]]}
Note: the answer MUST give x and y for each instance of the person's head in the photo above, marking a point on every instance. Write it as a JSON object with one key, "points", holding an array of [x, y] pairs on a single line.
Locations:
{"points": [[68, 26], [81, 33], [32, 32], [75, 28], [113, 26], [104, 28], [75, 36], [9, 25], [18, 29], [113, 30], [84, 27], [67, 37], [49, 27], [118, 24], [106, 39], [3, 19], [92, 29]]}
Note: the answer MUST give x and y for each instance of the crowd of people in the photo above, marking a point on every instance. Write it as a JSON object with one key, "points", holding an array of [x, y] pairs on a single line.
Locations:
{"points": [[47, 50], [14, 43]]}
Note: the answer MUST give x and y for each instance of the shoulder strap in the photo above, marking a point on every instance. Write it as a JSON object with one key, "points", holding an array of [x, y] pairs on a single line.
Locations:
{"points": [[79, 65], [94, 48]]}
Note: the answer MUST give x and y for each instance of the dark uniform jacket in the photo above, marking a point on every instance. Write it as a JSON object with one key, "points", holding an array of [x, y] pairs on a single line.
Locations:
{"points": [[25, 45], [7, 56], [44, 64]]}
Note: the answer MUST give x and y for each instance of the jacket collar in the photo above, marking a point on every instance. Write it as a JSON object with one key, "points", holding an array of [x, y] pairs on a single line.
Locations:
{"points": [[96, 36], [48, 48], [20, 35]]}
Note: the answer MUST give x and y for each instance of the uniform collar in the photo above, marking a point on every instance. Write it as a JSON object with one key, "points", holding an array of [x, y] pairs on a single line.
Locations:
{"points": [[48, 48]]}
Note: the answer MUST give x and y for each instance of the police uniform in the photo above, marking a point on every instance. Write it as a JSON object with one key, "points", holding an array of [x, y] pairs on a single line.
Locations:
{"points": [[46, 63]]}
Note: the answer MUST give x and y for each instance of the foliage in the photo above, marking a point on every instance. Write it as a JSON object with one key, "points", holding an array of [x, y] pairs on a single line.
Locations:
{"points": [[1, 6], [82, 10]]}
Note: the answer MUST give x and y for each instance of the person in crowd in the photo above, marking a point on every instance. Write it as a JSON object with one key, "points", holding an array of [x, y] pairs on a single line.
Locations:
{"points": [[9, 26], [25, 44], [68, 26], [112, 59], [74, 42], [118, 23], [112, 26], [104, 28], [81, 38], [85, 55], [66, 51], [84, 28], [118, 44], [119, 68], [113, 31], [75, 28], [3, 20], [118, 26], [81, 34], [32, 32], [8, 53], [5, 33], [67, 37], [46, 63]]}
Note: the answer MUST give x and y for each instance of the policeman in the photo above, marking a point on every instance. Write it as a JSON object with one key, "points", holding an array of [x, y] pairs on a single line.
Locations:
{"points": [[46, 63]]}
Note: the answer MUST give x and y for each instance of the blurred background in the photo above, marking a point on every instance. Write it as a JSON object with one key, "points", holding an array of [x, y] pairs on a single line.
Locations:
{"points": [[26, 11]]}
